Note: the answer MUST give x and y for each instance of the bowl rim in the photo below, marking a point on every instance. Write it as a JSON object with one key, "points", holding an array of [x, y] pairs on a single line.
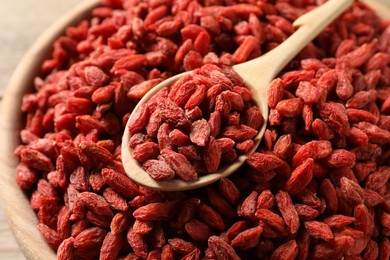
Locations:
{"points": [[21, 218]]}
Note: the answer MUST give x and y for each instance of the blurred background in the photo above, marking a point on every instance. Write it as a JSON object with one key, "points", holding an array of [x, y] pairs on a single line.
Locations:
{"points": [[21, 22]]}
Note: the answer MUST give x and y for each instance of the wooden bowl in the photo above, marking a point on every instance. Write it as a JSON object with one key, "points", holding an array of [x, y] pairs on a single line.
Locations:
{"points": [[22, 219]]}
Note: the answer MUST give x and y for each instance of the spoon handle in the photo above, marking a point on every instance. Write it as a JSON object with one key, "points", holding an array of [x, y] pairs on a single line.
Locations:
{"points": [[320, 17], [310, 25]]}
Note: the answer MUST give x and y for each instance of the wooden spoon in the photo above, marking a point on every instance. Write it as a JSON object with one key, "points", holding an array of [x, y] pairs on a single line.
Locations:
{"points": [[257, 75]]}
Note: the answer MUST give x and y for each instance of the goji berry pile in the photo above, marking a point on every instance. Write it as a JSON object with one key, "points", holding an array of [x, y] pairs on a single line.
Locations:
{"points": [[317, 188], [197, 125]]}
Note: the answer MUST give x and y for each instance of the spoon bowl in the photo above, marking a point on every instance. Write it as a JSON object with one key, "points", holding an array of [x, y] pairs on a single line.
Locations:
{"points": [[257, 75]]}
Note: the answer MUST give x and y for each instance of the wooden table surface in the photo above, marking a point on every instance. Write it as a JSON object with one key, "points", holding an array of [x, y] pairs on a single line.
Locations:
{"points": [[21, 22]]}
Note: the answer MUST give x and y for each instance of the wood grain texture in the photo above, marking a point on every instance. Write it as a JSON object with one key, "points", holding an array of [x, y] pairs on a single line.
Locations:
{"points": [[21, 22]]}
